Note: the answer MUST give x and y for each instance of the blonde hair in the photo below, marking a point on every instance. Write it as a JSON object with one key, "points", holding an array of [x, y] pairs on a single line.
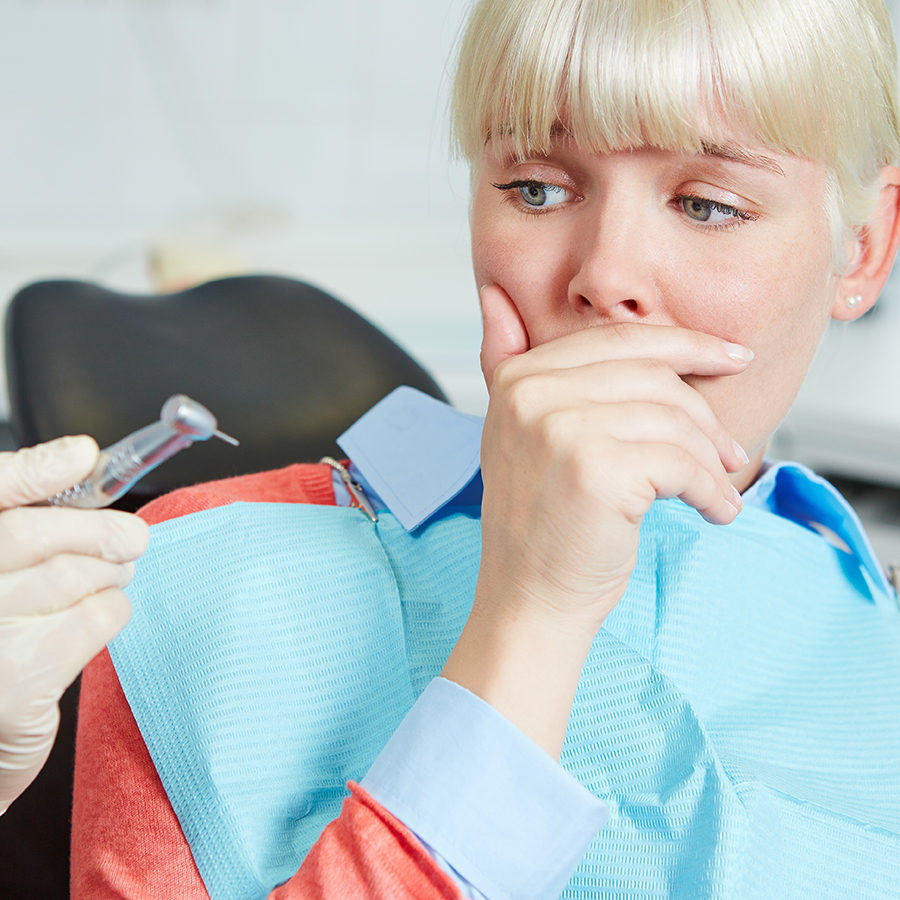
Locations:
{"points": [[811, 78]]}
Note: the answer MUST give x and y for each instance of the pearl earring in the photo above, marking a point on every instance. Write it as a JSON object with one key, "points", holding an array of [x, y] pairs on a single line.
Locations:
{"points": [[853, 301]]}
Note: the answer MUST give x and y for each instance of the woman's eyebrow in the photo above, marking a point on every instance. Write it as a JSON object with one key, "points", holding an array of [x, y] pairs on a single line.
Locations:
{"points": [[734, 153]]}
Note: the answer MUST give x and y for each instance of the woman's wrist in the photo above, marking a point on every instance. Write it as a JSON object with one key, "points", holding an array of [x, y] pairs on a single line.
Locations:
{"points": [[526, 663]]}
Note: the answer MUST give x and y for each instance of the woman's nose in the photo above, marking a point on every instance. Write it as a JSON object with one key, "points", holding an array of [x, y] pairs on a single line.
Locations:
{"points": [[614, 273]]}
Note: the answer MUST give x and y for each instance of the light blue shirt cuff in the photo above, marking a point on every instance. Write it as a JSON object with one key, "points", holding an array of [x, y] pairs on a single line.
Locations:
{"points": [[490, 802]]}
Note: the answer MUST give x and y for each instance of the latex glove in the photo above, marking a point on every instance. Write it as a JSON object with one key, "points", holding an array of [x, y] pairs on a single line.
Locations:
{"points": [[61, 577]]}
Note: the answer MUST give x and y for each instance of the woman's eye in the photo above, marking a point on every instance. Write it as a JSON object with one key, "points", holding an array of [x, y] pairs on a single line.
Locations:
{"points": [[711, 212], [536, 194]]}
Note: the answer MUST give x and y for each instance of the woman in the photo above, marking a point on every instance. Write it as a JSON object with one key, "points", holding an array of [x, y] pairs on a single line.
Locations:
{"points": [[671, 200]]}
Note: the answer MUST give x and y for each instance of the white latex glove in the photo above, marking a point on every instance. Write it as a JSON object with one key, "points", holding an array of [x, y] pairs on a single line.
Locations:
{"points": [[61, 577]]}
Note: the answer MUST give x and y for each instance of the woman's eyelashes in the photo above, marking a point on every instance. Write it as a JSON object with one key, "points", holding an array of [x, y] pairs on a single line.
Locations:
{"points": [[711, 212], [535, 195]]}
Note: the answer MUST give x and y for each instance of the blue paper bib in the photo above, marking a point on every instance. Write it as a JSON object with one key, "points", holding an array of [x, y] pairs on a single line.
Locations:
{"points": [[739, 711]]}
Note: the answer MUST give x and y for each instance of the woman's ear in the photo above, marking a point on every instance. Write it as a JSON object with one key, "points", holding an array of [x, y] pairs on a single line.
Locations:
{"points": [[876, 247]]}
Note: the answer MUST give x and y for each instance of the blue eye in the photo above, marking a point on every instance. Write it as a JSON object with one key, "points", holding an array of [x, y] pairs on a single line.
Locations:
{"points": [[536, 194], [709, 211]]}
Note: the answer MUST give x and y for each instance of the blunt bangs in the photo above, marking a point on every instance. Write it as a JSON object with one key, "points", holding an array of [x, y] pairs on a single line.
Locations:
{"points": [[812, 78]]}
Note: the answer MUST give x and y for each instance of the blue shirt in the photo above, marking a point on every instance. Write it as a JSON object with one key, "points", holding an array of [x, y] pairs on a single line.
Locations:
{"points": [[496, 812]]}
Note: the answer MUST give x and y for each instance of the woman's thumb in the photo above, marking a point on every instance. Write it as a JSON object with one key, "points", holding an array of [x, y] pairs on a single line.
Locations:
{"points": [[504, 330]]}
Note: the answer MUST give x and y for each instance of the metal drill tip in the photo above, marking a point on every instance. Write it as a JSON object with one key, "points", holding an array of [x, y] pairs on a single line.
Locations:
{"points": [[227, 438]]}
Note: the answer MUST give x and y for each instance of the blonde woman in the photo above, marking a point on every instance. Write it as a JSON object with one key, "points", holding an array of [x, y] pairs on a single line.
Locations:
{"points": [[671, 200]]}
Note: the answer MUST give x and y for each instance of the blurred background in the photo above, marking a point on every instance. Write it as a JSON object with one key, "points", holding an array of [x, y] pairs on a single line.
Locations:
{"points": [[152, 144], [149, 144]]}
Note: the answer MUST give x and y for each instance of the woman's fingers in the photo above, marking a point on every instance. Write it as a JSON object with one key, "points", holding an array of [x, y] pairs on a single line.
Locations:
{"points": [[613, 458], [674, 471], [633, 396], [628, 381], [35, 473], [688, 463], [685, 352]]}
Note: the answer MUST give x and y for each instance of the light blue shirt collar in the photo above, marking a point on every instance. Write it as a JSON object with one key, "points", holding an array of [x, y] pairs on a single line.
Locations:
{"points": [[417, 456]]}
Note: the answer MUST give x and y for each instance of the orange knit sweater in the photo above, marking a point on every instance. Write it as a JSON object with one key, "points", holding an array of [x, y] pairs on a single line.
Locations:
{"points": [[126, 839]]}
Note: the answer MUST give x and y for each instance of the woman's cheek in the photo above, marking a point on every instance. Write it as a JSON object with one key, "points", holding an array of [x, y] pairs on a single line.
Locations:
{"points": [[506, 263]]}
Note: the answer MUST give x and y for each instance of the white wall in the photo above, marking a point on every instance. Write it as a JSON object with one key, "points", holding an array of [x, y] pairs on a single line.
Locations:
{"points": [[305, 137], [300, 136], [149, 109]]}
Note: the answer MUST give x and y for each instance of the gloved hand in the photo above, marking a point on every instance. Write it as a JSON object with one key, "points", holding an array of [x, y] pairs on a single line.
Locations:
{"points": [[61, 577]]}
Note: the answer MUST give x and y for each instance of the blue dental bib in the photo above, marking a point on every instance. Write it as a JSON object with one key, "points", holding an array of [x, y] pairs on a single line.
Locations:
{"points": [[739, 711]]}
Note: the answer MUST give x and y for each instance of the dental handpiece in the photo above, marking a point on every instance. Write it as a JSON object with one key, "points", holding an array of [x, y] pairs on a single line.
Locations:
{"points": [[181, 422]]}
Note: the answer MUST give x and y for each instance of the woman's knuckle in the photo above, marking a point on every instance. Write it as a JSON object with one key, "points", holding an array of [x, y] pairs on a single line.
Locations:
{"points": [[521, 395], [679, 421], [552, 429], [624, 331], [658, 369], [506, 372]]}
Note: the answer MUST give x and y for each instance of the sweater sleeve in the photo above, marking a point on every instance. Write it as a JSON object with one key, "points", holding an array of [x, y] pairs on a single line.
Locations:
{"points": [[126, 839], [366, 853]]}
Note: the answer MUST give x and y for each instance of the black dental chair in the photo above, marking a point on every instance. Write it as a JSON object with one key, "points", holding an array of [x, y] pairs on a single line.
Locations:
{"points": [[285, 368]]}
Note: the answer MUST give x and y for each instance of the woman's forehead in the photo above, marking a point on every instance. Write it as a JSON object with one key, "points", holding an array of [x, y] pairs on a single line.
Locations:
{"points": [[706, 128], [725, 145]]}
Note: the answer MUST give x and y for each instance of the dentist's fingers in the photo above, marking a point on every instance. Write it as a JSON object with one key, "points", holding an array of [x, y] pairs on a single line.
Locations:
{"points": [[29, 536], [61, 574], [42, 655], [76, 635], [59, 583], [504, 331], [35, 473]]}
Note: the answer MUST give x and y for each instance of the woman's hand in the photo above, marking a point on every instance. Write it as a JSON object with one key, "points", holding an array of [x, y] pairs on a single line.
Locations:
{"points": [[61, 577], [582, 435]]}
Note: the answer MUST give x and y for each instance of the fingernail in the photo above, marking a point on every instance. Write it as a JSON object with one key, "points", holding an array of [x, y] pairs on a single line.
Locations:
{"points": [[741, 453], [738, 352], [738, 499]]}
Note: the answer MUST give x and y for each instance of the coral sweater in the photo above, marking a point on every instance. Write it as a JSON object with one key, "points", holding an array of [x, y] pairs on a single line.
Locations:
{"points": [[126, 839]]}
